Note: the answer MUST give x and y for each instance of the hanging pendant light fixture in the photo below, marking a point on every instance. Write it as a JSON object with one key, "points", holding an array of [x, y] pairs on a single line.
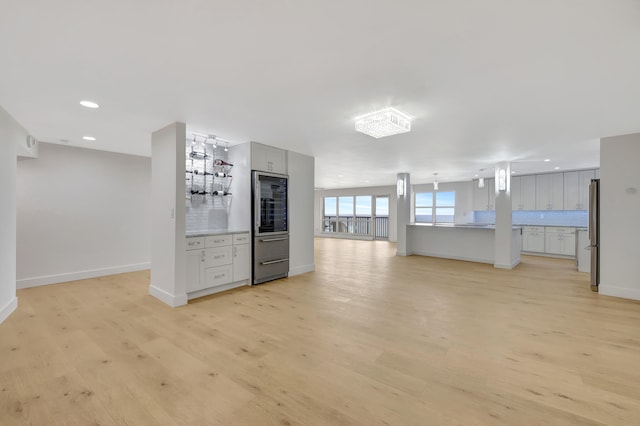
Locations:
{"points": [[435, 182], [481, 182]]}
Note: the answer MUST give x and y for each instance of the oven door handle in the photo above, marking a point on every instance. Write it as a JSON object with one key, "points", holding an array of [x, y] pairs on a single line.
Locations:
{"points": [[271, 262], [269, 240]]}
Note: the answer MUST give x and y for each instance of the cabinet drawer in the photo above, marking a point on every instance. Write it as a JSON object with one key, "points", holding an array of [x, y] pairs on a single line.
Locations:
{"points": [[217, 241], [217, 276], [217, 256], [533, 229], [240, 238], [558, 230], [194, 243]]}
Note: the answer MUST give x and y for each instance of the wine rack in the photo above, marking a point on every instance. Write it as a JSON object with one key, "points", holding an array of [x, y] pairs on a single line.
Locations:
{"points": [[208, 173]]}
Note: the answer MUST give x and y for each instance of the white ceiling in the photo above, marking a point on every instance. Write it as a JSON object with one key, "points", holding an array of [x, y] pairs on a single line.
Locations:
{"points": [[486, 81]]}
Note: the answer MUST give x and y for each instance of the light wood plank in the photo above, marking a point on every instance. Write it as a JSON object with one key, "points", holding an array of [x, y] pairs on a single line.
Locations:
{"points": [[369, 338]]}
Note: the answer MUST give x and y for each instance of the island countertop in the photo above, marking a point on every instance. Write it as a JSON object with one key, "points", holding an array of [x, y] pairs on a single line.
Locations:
{"points": [[460, 225], [471, 242]]}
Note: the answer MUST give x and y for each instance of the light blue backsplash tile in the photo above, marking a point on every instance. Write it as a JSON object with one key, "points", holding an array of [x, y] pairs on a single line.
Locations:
{"points": [[577, 218]]}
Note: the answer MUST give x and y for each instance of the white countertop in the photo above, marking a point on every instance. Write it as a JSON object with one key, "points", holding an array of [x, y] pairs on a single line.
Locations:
{"points": [[460, 225], [207, 232]]}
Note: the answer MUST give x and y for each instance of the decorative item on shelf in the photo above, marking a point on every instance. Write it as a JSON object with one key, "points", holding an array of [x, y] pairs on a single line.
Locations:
{"points": [[220, 162]]}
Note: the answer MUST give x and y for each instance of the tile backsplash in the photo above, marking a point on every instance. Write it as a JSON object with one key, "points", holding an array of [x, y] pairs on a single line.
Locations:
{"points": [[206, 213], [577, 218]]}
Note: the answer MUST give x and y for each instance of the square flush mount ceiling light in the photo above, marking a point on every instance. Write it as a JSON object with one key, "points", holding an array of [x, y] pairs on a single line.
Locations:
{"points": [[385, 122]]}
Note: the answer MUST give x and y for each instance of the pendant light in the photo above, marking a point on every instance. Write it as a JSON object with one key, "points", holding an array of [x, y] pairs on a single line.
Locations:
{"points": [[435, 182]]}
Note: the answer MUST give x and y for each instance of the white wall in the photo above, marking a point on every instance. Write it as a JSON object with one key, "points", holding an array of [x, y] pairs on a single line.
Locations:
{"points": [[81, 213], [301, 213], [619, 216], [168, 262], [10, 133], [389, 191]]}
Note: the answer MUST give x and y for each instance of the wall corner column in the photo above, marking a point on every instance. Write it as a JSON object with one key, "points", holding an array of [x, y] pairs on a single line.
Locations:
{"points": [[504, 226], [403, 195], [168, 261]]}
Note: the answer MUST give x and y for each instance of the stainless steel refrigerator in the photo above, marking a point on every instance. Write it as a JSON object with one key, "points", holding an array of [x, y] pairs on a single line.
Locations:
{"points": [[270, 227], [594, 232]]}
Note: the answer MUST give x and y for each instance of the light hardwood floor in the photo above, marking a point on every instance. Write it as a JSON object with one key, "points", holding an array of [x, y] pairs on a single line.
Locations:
{"points": [[369, 338]]}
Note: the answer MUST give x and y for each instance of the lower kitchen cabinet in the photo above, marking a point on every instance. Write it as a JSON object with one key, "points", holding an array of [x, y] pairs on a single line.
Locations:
{"points": [[554, 240], [241, 262], [216, 263], [533, 239], [560, 241]]}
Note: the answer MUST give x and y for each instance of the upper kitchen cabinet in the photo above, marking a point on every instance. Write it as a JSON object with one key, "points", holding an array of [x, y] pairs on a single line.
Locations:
{"points": [[576, 189], [484, 198], [523, 193], [268, 159], [550, 191]]}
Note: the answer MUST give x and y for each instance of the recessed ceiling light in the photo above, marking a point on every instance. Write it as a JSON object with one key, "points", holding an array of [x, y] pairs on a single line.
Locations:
{"points": [[546, 160], [556, 168], [385, 122], [513, 172], [340, 175], [89, 104], [475, 175], [88, 138]]}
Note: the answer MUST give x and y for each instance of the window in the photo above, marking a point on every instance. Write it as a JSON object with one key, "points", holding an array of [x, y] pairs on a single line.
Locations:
{"points": [[438, 209], [354, 215]]}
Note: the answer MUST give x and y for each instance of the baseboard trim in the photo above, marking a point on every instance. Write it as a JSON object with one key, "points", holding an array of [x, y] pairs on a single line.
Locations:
{"points": [[217, 289], [464, 258], [8, 309], [80, 275], [173, 300], [345, 236], [502, 266], [302, 269], [623, 292]]}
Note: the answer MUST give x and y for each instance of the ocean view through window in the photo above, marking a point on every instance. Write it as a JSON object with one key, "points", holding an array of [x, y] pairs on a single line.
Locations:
{"points": [[435, 207], [361, 215]]}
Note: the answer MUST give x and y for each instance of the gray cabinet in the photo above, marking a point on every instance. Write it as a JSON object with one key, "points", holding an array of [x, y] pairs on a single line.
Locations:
{"points": [[559, 240], [484, 198], [268, 159], [523, 193], [576, 189], [216, 262], [533, 239], [550, 191]]}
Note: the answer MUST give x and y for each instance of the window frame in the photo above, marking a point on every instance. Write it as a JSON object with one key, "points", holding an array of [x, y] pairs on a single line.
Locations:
{"points": [[433, 207]]}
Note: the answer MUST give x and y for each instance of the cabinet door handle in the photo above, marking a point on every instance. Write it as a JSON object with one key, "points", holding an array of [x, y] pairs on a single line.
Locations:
{"points": [[202, 256]]}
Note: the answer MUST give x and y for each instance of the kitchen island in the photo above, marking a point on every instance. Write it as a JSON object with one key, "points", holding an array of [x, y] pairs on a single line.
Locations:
{"points": [[471, 242]]}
